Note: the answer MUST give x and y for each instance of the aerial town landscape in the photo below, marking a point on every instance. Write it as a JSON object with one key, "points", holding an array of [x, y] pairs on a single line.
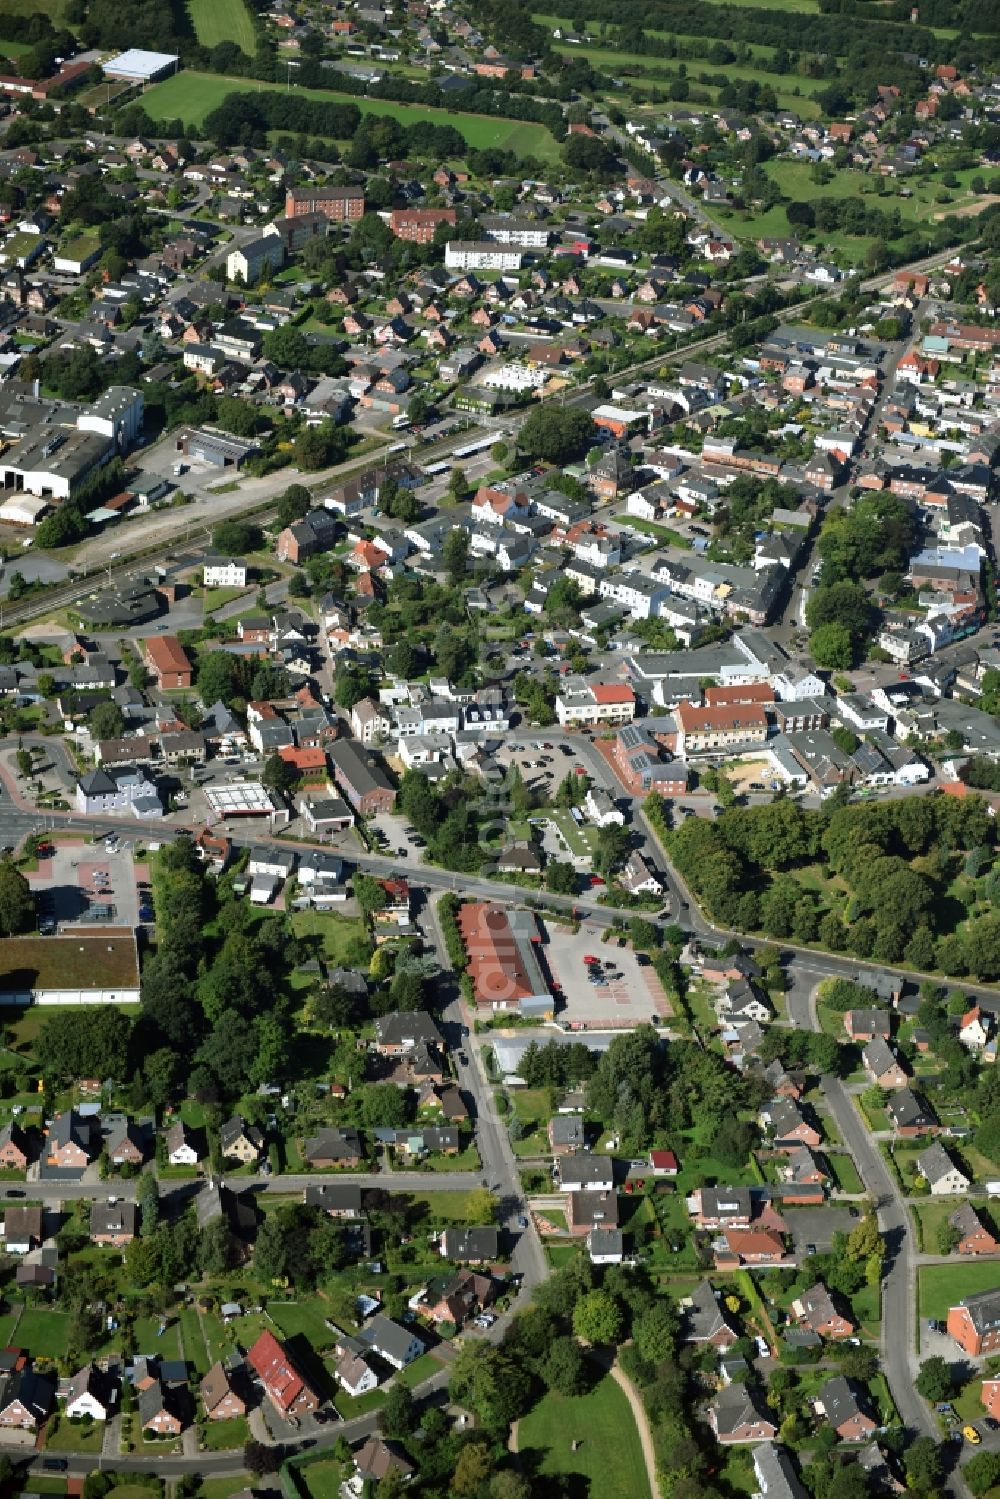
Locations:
{"points": [[499, 749]]}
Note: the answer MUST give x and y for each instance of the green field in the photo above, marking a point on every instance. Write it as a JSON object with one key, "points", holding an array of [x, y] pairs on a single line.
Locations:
{"points": [[191, 96], [321, 1480], [941, 1286], [54, 9], [609, 1455], [216, 21], [44, 1333]]}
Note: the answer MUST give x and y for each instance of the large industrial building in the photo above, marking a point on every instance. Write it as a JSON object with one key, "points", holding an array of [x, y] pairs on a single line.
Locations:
{"points": [[54, 445]]}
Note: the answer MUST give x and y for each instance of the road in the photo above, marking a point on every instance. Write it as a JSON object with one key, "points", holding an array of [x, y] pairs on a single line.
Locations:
{"points": [[898, 1344]]}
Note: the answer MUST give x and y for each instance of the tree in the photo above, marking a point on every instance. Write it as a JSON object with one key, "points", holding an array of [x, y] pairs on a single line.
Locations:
{"points": [[398, 1416], [370, 893], [455, 554], [934, 1380], [611, 849], [107, 721], [982, 1472], [560, 877], [472, 1469], [643, 934], [564, 1368], [260, 1460], [556, 434], [17, 906], [482, 1206], [293, 504], [831, 646], [235, 537], [922, 1461], [948, 1238], [280, 775], [597, 1318], [320, 447], [865, 1239]]}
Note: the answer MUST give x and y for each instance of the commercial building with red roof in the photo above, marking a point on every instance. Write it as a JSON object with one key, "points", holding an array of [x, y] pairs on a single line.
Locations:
{"points": [[286, 1387], [748, 692], [502, 965], [724, 727], [581, 702]]}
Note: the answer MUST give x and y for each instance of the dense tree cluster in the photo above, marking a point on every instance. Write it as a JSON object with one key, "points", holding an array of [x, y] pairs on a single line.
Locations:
{"points": [[213, 1017], [895, 860]]}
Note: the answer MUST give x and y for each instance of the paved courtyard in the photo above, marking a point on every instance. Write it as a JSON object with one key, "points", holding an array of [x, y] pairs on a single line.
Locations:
{"points": [[78, 879]]}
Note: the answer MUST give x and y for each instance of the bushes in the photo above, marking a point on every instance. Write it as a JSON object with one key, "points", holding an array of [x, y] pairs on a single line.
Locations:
{"points": [[448, 909]]}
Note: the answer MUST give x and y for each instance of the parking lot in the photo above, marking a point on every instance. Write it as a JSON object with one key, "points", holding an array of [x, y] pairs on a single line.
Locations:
{"points": [[541, 768], [86, 883], [398, 839], [628, 995], [814, 1228]]}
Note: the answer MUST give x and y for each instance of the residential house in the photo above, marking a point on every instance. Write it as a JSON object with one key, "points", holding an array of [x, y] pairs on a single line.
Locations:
{"points": [[974, 1236], [239, 1141], [113, 1223], [396, 1344], [705, 1320], [739, 1413], [566, 1134], [817, 1310], [470, 1246], [882, 1066], [69, 1143], [22, 1229], [788, 1126], [330, 1148], [220, 1396], [25, 1399], [161, 1411], [13, 1147], [286, 1387], [866, 1025], [844, 1406], [92, 1392], [940, 1172], [184, 1146], [910, 1114]]}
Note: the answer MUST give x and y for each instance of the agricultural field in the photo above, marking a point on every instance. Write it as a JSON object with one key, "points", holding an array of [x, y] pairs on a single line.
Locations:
{"points": [[216, 21], [608, 1455], [190, 96]]}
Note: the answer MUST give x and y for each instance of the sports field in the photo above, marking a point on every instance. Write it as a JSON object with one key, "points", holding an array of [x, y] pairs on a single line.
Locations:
{"points": [[190, 96], [216, 21]]}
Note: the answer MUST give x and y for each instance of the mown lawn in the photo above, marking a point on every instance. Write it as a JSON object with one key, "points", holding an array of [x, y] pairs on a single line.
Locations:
{"points": [[941, 1286], [846, 1173], [321, 1480], [190, 96], [306, 1319], [223, 1436], [74, 1436], [608, 1456], [44, 1332]]}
